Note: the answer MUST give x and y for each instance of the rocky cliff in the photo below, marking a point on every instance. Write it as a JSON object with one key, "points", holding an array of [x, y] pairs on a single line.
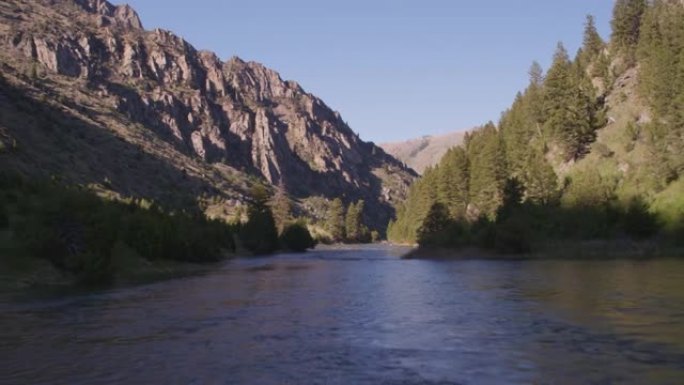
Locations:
{"points": [[219, 122]]}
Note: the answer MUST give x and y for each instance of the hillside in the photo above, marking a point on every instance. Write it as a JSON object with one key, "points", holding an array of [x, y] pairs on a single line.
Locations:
{"points": [[591, 149], [420, 153], [91, 98]]}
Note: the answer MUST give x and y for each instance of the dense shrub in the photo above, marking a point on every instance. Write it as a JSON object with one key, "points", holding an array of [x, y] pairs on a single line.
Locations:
{"points": [[296, 237], [259, 235], [638, 222], [78, 231], [512, 236]]}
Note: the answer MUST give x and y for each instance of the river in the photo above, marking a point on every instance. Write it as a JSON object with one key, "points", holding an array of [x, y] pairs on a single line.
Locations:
{"points": [[360, 316]]}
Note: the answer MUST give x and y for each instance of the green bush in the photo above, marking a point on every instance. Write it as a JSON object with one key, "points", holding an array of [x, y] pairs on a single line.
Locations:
{"points": [[296, 237], [77, 231], [259, 235], [638, 222], [512, 236]]}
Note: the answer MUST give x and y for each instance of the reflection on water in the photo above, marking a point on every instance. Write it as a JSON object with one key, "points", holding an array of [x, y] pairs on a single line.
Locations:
{"points": [[361, 316]]}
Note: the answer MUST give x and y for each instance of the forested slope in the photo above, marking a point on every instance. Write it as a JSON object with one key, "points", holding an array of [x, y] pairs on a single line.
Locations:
{"points": [[590, 149]]}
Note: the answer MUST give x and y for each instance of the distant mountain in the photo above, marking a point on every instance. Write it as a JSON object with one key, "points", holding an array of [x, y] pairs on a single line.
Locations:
{"points": [[425, 151], [91, 97]]}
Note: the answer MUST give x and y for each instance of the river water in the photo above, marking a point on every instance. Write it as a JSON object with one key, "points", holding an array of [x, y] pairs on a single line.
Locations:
{"points": [[360, 316]]}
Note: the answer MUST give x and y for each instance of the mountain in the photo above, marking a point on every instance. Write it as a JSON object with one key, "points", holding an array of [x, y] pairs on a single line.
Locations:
{"points": [[420, 153], [91, 97]]}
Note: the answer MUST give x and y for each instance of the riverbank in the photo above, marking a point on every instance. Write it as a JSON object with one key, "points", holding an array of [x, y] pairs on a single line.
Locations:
{"points": [[582, 250], [20, 273]]}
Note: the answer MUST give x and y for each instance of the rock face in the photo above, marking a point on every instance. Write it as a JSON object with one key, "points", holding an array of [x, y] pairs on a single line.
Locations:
{"points": [[425, 151], [236, 113]]}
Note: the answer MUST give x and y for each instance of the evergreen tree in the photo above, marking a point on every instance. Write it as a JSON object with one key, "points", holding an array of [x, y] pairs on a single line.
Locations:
{"points": [[601, 69], [571, 110], [435, 226], [626, 23], [517, 129], [539, 180], [661, 82], [536, 73], [259, 235], [592, 44], [533, 101], [281, 206], [355, 228], [487, 170], [558, 93], [336, 220], [453, 181]]}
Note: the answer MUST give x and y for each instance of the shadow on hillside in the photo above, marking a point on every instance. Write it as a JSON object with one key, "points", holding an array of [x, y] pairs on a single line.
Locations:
{"points": [[521, 228], [55, 143]]}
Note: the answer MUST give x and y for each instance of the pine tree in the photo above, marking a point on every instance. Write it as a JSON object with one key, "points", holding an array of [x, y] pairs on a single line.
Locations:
{"points": [[592, 44], [626, 23], [453, 181], [487, 170], [336, 220], [259, 234], [433, 230], [355, 229], [533, 100], [571, 109], [536, 73], [558, 96], [281, 206], [517, 129], [539, 180], [661, 82]]}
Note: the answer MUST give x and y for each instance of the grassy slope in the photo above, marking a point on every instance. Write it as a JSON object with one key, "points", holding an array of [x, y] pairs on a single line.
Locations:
{"points": [[617, 157]]}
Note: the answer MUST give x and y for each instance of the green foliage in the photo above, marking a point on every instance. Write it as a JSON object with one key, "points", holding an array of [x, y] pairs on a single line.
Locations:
{"points": [[259, 235], [500, 191], [434, 230], [356, 231], [281, 207], [296, 237], [638, 222], [540, 182], [601, 69], [592, 43], [487, 170], [661, 82], [572, 112], [626, 24], [589, 188], [453, 181], [77, 231], [335, 223], [512, 236]]}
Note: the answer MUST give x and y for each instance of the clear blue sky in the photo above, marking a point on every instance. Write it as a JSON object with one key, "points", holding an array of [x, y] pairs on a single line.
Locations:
{"points": [[395, 69]]}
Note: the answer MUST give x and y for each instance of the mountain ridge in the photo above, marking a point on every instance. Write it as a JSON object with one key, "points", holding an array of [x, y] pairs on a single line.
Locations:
{"points": [[425, 151], [238, 117]]}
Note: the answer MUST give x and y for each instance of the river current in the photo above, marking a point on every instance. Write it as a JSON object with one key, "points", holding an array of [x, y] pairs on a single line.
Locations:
{"points": [[360, 316]]}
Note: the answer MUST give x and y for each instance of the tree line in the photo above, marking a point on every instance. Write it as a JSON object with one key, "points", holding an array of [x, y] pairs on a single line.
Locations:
{"points": [[348, 224], [85, 235]]}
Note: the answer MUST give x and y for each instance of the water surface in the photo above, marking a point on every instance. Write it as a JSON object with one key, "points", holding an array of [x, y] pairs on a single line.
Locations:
{"points": [[360, 316]]}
